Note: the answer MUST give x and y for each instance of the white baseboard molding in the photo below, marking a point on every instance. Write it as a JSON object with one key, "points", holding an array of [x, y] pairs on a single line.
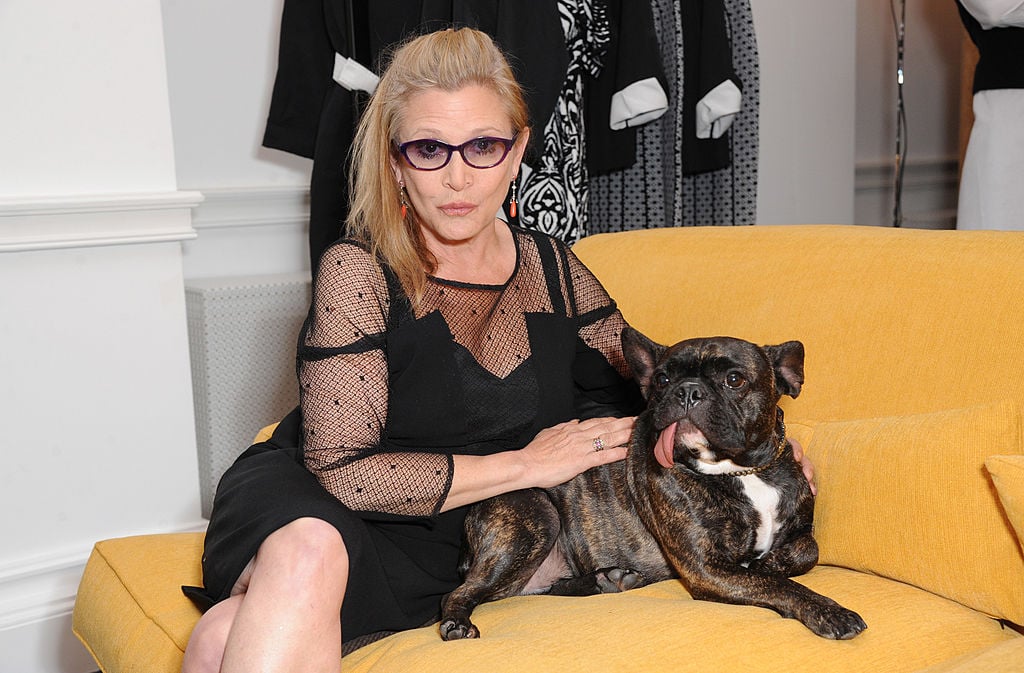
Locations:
{"points": [[43, 586], [92, 220]]}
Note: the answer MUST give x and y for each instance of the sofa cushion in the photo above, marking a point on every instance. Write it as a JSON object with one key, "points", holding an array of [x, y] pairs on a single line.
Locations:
{"points": [[132, 615], [1008, 476], [909, 498], [659, 628], [1004, 657]]}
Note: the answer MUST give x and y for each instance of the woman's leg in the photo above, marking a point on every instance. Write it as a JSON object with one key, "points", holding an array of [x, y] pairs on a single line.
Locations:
{"points": [[287, 614]]}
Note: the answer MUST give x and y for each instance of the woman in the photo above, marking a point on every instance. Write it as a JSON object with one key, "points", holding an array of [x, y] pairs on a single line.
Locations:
{"points": [[446, 359]]}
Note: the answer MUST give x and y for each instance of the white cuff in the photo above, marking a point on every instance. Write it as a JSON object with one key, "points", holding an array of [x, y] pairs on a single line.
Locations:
{"points": [[717, 109], [353, 75], [637, 104]]}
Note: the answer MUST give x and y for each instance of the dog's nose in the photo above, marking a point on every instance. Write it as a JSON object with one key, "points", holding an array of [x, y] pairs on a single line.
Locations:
{"points": [[690, 393]]}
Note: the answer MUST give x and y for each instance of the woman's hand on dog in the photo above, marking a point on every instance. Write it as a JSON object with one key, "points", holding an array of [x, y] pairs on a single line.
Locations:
{"points": [[556, 455], [805, 464], [559, 453]]}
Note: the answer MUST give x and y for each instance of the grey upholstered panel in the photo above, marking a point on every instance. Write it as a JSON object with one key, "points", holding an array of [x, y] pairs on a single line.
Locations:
{"points": [[242, 337]]}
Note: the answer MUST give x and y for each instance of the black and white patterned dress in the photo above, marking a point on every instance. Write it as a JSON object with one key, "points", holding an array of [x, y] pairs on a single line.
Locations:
{"points": [[553, 194], [656, 191]]}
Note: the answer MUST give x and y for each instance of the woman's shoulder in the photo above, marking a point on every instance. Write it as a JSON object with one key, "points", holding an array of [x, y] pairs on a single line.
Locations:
{"points": [[350, 263], [346, 249], [351, 257]]}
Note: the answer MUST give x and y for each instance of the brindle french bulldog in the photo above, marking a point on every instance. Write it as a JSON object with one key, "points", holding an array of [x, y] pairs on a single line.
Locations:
{"points": [[709, 493]]}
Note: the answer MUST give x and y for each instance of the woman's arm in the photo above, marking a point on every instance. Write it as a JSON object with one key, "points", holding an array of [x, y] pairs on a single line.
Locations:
{"points": [[343, 379]]}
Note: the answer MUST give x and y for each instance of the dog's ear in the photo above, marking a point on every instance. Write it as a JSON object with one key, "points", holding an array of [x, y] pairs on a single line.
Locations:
{"points": [[788, 362], [642, 355]]}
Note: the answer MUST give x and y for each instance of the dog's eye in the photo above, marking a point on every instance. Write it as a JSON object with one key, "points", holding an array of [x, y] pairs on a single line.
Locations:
{"points": [[660, 380], [735, 380]]}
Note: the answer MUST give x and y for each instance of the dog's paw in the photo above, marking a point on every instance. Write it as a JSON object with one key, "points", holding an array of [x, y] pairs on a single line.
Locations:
{"points": [[836, 623], [458, 629], [615, 580]]}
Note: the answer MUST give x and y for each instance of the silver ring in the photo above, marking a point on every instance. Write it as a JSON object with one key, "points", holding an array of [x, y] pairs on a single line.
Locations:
{"points": [[598, 444]]}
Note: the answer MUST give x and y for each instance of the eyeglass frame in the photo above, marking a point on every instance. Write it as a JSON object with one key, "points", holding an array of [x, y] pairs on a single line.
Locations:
{"points": [[507, 143]]}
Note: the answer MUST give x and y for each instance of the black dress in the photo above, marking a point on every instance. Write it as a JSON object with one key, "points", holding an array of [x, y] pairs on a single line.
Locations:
{"points": [[389, 395]]}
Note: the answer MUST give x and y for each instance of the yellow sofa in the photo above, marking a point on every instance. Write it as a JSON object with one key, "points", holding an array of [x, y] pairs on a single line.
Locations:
{"points": [[911, 412]]}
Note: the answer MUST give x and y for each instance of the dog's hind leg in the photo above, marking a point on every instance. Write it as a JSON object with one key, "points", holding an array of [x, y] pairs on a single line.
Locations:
{"points": [[508, 538], [603, 581]]}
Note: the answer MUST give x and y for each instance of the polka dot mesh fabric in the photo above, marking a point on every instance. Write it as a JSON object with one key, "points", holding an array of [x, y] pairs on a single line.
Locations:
{"points": [[343, 369]]}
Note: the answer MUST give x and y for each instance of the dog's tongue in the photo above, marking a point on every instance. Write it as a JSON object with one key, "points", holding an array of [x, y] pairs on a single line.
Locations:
{"points": [[664, 449]]}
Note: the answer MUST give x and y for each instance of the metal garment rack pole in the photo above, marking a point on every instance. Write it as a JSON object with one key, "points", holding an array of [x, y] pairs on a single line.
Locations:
{"points": [[899, 24]]}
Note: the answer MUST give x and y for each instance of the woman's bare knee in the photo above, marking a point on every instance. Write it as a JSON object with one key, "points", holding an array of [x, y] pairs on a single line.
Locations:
{"points": [[309, 552], [205, 649]]}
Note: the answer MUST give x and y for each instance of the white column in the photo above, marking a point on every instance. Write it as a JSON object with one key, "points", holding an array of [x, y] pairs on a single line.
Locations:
{"points": [[95, 392]]}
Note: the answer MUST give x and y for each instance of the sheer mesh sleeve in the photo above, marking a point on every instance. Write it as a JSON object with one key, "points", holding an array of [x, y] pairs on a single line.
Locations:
{"points": [[601, 323], [343, 378]]}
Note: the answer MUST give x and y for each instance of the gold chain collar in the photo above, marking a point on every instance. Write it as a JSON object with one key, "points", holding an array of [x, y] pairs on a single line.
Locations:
{"points": [[754, 470], [778, 454]]}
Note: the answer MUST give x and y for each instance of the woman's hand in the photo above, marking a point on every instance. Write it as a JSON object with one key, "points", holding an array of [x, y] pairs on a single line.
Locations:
{"points": [[805, 464], [559, 453]]}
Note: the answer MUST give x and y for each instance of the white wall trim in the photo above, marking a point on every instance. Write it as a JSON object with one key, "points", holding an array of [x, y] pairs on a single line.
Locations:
{"points": [[249, 230], [35, 589], [44, 586], [234, 207], [878, 174], [84, 221]]}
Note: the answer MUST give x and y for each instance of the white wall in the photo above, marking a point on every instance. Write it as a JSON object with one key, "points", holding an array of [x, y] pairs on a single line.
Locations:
{"points": [[95, 394], [60, 122], [931, 87], [828, 110], [221, 59], [807, 126]]}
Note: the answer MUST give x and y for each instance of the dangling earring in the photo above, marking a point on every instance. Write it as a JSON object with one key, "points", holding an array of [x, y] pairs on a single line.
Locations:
{"points": [[512, 207], [405, 204]]}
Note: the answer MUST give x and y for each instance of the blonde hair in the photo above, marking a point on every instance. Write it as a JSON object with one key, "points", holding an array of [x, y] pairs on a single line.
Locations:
{"points": [[447, 60]]}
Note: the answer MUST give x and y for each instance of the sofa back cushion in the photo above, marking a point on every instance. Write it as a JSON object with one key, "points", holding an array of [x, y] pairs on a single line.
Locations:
{"points": [[894, 321], [910, 498]]}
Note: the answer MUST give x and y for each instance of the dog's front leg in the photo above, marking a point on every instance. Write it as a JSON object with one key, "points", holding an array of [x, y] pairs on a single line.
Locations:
{"points": [[709, 576], [727, 584], [507, 539]]}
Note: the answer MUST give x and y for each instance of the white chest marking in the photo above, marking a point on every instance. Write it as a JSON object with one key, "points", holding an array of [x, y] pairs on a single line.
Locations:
{"points": [[765, 500]]}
